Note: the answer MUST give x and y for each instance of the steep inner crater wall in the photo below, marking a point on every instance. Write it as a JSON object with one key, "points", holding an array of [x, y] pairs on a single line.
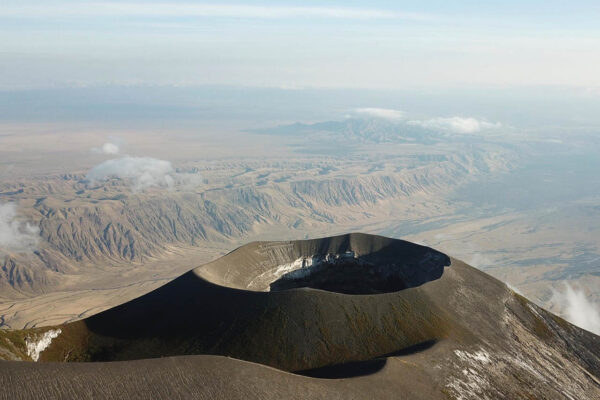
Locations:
{"points": [[347, 273], [350, 264]]}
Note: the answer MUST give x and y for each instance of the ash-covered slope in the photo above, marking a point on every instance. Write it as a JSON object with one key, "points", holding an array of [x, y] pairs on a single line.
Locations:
{"points": [[224, 308], [390, 316]]}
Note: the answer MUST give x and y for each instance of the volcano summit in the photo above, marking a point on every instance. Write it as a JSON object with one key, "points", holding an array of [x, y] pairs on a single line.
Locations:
{"points": [[341, 317]]}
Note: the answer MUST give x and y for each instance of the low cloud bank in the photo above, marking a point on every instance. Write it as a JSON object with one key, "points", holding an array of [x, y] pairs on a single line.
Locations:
{"points": [[457, 124], [464, 125], [578, 309], [16, 236], [383, 113], [143, 172]]}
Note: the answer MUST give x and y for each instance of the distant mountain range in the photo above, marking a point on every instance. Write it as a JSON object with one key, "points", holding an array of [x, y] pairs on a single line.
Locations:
{"points": [[366, 131]]}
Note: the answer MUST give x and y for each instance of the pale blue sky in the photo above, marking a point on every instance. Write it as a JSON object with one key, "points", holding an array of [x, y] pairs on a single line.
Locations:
{"points": [[350, 44]]}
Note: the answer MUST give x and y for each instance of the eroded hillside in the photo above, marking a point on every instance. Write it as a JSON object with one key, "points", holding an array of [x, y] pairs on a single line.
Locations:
{"points": [[85, 224]]}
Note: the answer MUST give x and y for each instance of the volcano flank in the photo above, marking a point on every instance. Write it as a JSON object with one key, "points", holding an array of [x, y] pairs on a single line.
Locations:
{"points": [[341, 317]]}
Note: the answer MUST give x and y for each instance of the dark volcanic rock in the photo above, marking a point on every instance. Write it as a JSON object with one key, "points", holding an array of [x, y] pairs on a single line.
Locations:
{"points": [[377, 317]]}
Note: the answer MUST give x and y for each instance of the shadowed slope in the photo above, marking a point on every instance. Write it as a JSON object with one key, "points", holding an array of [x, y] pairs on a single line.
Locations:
{"points": [[198, 377], [292, 329]]}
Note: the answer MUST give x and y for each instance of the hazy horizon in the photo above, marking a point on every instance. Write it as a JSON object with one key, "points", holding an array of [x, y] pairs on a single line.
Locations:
{"points": [[287, 44]]}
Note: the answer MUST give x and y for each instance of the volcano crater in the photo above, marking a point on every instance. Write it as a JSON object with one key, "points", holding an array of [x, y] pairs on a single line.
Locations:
{"points": [[349, 273]]}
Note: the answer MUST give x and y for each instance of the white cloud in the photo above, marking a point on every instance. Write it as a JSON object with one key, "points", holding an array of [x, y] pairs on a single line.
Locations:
{"points": [[138, 9], [457, 124], [577, 309], [384, 113], [142, 172], [107, 148], [112, 147], [15, 235]]}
